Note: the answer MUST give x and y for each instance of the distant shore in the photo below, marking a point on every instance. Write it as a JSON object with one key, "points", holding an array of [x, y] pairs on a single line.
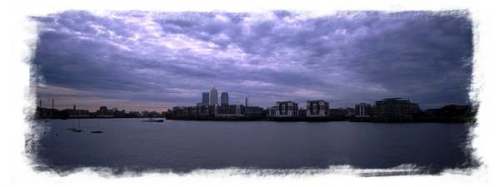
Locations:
{"points": [[282, 119], [298, 119]]}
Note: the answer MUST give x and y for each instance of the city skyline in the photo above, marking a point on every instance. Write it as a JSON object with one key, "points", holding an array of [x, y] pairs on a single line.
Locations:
{"points": [[204, 100], [146, 60]]}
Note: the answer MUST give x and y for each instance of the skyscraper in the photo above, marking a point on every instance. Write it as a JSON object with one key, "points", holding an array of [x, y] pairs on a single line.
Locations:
{"points": [[205, 98], [246, 101], [224, 98], [213, 97]]}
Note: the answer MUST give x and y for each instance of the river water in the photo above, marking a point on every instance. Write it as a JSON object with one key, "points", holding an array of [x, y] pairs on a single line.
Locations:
{"points": [[183, 146]]}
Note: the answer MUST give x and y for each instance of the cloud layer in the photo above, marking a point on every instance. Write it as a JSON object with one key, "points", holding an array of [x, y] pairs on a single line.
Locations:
{"points": [[155, 59]]}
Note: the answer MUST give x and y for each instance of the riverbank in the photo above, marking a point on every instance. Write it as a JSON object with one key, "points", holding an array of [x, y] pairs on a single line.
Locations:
{"points": [[326, 119]]}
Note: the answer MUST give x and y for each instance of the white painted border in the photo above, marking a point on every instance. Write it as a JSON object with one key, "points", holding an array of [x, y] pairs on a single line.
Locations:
{"points": [[16, 35]]}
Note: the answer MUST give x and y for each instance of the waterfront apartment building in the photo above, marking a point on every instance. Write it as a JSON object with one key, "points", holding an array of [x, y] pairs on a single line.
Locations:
{"points": [[213, 97], [284, 109], [317, 108], [224, 98], [205, 98], [362, 110], [395, 109]]}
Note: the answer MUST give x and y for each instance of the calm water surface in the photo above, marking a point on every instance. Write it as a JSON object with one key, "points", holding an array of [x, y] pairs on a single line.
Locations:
{"points": [[130, 144]]}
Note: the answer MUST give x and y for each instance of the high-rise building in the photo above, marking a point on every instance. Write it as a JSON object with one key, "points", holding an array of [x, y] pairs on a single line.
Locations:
{"points": [[213, 97], [246, 101], [317, 108], [205, 98], [224, 98]]}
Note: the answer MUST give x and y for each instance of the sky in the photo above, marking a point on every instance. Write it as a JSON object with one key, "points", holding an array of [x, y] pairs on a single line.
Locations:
{"points": [[138, 60]]}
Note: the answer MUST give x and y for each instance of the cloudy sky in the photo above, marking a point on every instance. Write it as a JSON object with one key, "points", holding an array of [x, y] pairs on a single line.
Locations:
{"points": [[153, 60]]}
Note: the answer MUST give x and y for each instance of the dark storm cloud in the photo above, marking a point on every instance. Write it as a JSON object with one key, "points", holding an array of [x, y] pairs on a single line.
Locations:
{"points": [[170, 58]]}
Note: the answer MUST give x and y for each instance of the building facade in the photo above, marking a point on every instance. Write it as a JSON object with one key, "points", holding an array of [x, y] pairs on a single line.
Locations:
{"points": [[224, 98], [205, 98], [284, 109], [362, 110], [317, 108], [254, 111], [213, 97], [229, 111], [395, 109]]}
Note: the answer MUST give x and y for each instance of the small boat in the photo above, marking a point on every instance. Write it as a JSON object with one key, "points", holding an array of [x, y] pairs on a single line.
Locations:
{"points": [[154, 120], [74, 130], [96, 132]]}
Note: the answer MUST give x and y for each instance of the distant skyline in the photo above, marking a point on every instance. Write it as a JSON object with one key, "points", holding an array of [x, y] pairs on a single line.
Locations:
{"points": [[137, 60]]}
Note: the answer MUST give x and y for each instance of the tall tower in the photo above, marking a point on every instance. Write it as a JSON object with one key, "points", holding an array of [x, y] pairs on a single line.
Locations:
{"points": [[205, 98], [224, 98], [213, 97]]}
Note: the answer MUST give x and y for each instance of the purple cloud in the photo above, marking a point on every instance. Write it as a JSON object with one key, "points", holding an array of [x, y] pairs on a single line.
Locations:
{"points": [[167, 59]]}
